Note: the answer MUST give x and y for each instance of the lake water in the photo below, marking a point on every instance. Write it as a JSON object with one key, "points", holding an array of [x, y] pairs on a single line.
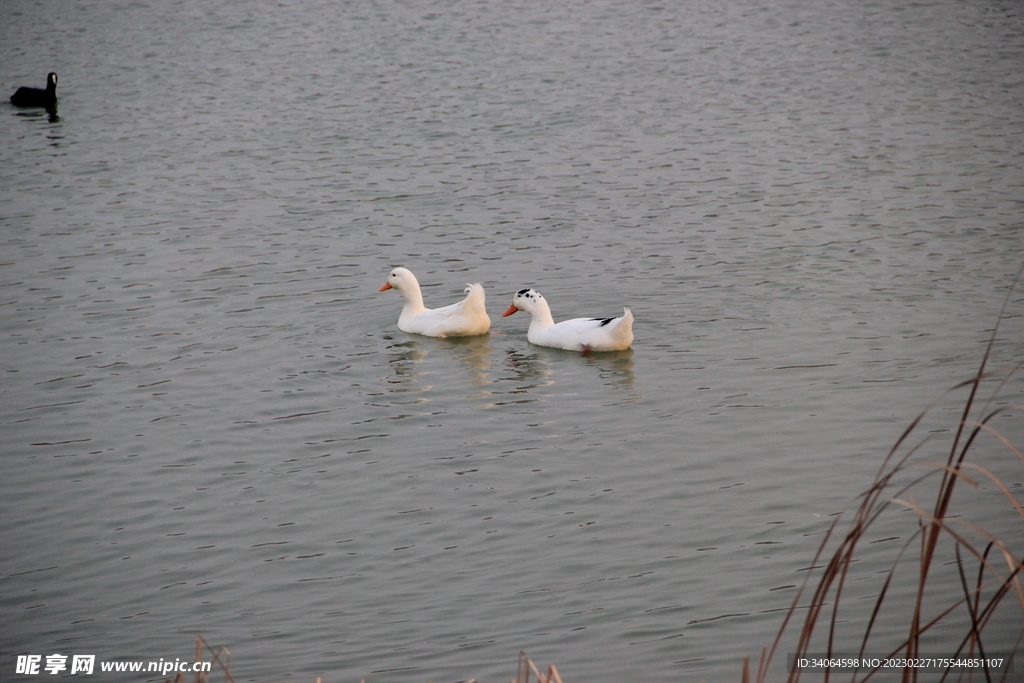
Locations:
{"points": [[212, 425]]}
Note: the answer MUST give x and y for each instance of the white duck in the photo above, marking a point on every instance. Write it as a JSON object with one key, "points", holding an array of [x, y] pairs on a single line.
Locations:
{"points": [[464, 319], [578, 334]]}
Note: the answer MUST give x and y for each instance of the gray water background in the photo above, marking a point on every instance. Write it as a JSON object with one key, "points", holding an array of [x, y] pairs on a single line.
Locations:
{"points": [[211, 424]]}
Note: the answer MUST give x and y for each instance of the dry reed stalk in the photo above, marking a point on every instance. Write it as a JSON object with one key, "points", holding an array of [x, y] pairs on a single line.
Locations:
{"points": [[980, 598], [526, 665], [221, 656]]}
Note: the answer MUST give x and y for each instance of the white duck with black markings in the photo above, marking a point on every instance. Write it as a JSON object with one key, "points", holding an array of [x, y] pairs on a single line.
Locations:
{"points": [[578, 334]]}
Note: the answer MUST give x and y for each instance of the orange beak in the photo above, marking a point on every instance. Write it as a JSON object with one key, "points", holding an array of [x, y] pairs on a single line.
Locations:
{"points": [[511, 309], [386, 287]]}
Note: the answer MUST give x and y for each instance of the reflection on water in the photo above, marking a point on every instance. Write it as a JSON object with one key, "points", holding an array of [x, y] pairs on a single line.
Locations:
{"points": [[526, 369], [474, 353], [39, 112], [471, 352], [403, 365], [617, 366]]}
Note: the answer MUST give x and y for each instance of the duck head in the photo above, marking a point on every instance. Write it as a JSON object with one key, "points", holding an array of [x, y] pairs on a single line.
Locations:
{"points": [[525, 300], [397, 278]]}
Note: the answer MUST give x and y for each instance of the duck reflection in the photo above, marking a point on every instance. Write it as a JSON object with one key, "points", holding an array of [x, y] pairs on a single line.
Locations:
{"points": [[472, 352], [529, 370], [525, 370], [49, 112], [403, 365], [534, 369], [617, 366]]}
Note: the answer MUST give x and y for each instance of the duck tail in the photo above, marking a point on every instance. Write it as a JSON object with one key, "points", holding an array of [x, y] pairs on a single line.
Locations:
{"points": [[624, 327], [475, 293]]}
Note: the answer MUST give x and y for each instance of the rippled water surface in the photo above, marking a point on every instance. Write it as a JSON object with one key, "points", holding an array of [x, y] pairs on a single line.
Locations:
{"points": [[211, 423]]}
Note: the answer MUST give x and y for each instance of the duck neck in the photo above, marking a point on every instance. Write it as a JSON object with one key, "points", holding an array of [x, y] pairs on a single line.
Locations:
{"points": [[413, 300], [541, 315]]}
